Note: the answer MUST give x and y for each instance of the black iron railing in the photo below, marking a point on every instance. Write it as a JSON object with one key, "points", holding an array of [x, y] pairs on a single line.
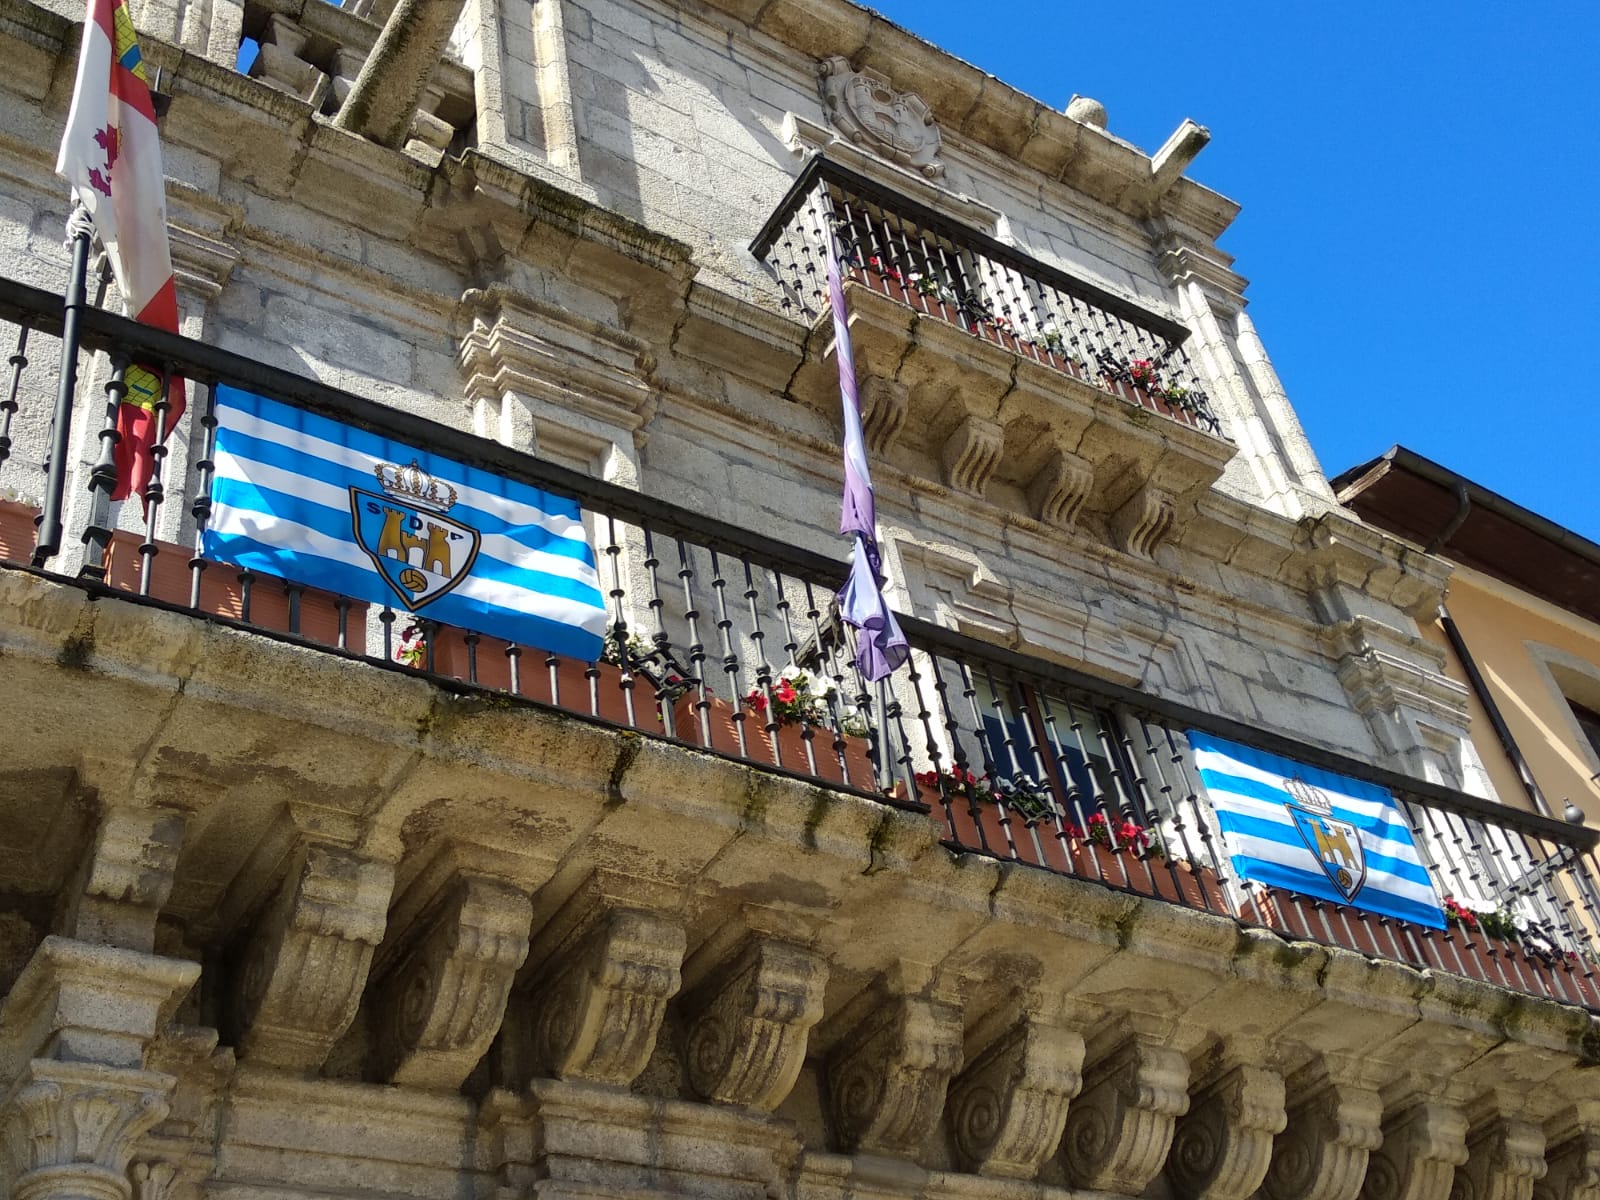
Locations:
{"points": [[969, 279], [729, 641]]}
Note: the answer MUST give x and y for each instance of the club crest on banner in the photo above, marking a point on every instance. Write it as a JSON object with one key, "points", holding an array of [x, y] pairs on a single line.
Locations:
{"points": [[420, 552], [1335, 844]]}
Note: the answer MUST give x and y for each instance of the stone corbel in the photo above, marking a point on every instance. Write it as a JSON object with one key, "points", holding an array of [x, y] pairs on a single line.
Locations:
{"points": [[752, 1017], [1423, 1144], [1572, 1157], [71, 1128], [884, 403], [1322, 1152], [1120, 1129], [442, 997], [1009, 1106], [306, 959], [1223, 1146], [600, 998], [1059, 490], [1505, 1159], [202, 261], [888, 1077], [127, 877], [1144, 521], [971, 454]]}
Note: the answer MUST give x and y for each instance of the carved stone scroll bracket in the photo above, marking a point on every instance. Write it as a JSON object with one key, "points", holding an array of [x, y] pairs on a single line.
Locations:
{"points": [[1572, 1159], [1059, 490], [1423, 1144], [1322, 1152], [748, 1035], [888, 1077], [1008, 1107], [1144, 521], [1505, 1159], [71, 1128], [866, 109], [127, 876], [441, 1000], [1223, 1145], [1120, 1129], [305, 964], [884, 404], [600, 1001], [971, 454]]}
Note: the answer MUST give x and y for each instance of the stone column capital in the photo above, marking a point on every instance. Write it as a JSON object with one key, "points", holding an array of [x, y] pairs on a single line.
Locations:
{"points": [[70, 1129]]}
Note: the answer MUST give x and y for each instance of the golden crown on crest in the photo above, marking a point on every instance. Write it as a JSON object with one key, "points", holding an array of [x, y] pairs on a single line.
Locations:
{"points": [[1308, 796], [416, 486]]}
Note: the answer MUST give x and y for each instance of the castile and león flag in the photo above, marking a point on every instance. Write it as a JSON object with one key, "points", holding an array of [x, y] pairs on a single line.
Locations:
{"points": [[111, 155]]}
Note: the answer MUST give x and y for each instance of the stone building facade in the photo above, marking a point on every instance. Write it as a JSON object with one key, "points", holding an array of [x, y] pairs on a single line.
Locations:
{"points": [[280, 920]]}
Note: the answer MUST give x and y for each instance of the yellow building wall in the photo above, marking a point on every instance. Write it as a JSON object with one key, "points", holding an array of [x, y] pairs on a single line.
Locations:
{"points": [[1527, 651]]}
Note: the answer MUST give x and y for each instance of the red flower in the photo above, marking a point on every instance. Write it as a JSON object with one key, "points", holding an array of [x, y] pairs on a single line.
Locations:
{"points": [[784, 693], [756, 700]]}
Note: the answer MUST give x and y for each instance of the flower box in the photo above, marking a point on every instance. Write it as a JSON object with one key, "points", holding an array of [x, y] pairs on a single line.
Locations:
{"points": [[983, 825], [1177, 881], [222, 593], [723, 722], [17, 531], [592, 689]]}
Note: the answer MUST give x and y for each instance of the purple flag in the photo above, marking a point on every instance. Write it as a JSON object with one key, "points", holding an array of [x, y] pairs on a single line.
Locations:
{"points": [[880, 646]]}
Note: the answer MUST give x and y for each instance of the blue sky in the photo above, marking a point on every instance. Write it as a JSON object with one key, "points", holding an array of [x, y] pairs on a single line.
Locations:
{"points": [[1420, 190]]}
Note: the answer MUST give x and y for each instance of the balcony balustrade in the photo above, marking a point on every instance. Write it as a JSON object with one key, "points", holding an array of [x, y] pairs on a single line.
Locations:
{"points": [[728, 641], [948, 272]]}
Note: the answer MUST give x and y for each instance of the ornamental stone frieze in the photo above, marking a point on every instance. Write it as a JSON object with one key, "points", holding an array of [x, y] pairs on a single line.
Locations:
{"points": [[1321, 1154], [888, 1076], [1120, 1129], [751, 1019], [1223, 1145], [305, 960], [598, 1000], [1009, 1105], [1423, 1144], [71, 1128], [1505, 1159], [865, 107], [442, 993]]}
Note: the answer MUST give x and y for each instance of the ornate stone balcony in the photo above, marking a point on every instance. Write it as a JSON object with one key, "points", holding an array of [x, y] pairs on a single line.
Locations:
{"points": [[614, 927], [994, 367]]}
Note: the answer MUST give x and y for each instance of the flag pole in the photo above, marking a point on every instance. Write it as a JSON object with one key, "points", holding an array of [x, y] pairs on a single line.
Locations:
{"points": [[80, 232]]}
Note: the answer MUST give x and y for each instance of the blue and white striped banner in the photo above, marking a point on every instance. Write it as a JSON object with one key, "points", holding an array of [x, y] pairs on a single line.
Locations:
{"points": [[326, 504], [1293, 826]]}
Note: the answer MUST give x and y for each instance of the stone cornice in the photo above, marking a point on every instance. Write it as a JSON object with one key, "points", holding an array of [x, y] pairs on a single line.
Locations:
{"points": [[977, 106]]}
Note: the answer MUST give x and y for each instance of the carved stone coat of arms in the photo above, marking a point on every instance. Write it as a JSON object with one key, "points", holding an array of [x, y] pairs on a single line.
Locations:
{"points": [[866, 109]]}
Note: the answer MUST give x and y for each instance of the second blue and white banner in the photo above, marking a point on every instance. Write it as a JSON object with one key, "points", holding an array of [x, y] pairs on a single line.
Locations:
{"points": [[1293, 826], [310, 499]]}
